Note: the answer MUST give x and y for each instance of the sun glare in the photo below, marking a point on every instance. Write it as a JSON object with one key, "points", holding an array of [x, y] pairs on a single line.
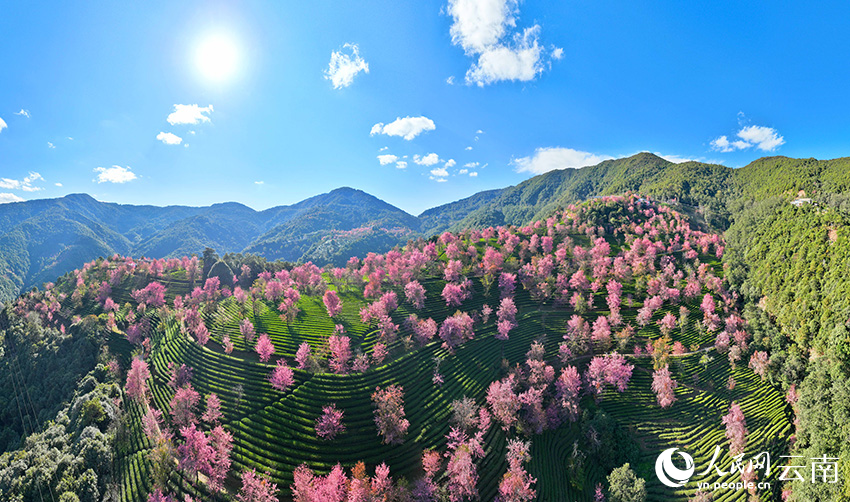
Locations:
{"points": [[216, 57]]}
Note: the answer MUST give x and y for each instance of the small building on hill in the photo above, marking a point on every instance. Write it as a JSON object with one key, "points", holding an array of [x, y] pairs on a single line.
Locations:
{"points": [[800, 201]]}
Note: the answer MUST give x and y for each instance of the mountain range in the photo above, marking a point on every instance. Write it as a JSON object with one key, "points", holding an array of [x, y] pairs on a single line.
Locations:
{"points": [[42, 239]]}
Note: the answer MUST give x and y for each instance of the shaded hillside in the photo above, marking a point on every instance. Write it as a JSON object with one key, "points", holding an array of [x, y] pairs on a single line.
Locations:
{"points": [[42, 239]]}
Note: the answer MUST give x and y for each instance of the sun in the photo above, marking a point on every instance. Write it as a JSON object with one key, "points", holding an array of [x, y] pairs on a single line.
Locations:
{"points": [[217, 57]]}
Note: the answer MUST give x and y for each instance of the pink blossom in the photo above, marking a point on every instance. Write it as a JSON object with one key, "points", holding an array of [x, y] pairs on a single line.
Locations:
{"points": [[663, 385], [282, 377], [329, 425], [264, 348]]}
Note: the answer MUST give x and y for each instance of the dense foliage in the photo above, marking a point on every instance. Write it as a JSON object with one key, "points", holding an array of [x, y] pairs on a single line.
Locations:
{"points": [[29, 351]]}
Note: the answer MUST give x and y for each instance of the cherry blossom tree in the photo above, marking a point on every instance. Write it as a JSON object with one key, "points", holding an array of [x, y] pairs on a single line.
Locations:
{"points": [[195, 454], [379, 353], [282, 377], [136, 385], [507, 284], [456, 330], [568, 392], [516, 484], [180, 375], [667, 324], [329, 424], [264, 348], [759, 363], [221, 442], [212, 414], [158, 496], [611, 369], [461, 470], [340, 353], [415, 294], [332, 303], [454, 294], [389, 414], [303, 356], [256, 488], [152, 424], [736, 429], [503, 401], [246, 329], [424, 490], [506, 318], [152, 295], [663, 385], [424, 329], [532, 405], [602, 332], [183, 406]]}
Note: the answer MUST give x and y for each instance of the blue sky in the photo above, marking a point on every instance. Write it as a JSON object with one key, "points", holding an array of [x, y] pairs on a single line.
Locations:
{"points": [[488, 92]]}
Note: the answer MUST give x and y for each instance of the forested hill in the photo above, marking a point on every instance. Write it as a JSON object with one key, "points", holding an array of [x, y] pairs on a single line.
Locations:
{"points": [[42, 239], [718, 190]]}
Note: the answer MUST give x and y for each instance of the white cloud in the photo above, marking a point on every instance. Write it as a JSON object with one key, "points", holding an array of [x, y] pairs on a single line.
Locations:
{"points": [[473, 174], [440, 180], [407, 127], [439, 172], [766, 139], [468, 148], [387, 159], [521, 62], [463, 171], [548, 159], [383, 148], [450, 163], [24, 113], [473, 165], [343, 66], [259, 182], [486, 29], [400, 164], [192, 133], [50, 145], [427, 160], [189, 114], [2, 125], [479, 132], [451, 80], [169, 138], [480, 24], [58, 184], [721, 144], [114, 174], [26, 184], [5, 198], [70, 138]]}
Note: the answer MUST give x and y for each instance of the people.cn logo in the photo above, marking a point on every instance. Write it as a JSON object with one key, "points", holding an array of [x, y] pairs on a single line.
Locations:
{"points": [[671, 475]]}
